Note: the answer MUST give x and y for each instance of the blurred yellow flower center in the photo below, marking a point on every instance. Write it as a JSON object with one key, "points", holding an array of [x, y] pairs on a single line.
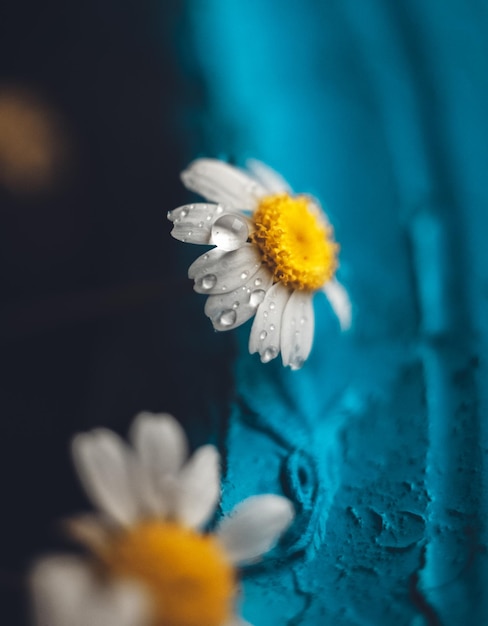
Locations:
{"points": [[189, 579], [295, 241]]}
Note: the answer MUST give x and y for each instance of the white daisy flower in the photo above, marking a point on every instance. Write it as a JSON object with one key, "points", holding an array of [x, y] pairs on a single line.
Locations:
{"points": [[149, 563], [273, 251]]}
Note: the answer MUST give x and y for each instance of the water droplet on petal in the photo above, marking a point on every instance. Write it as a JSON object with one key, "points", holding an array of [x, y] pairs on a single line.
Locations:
{"points": [[200, 224], [205, 257], [224, 287], [183, 213], [271, 327], [208, 218], [297, 363], [189, 233], [258, 281], [208, 281], [263, 334], [192, 206], [269, 354], [219, 210], [229, 232], [265, 314], [257, 297], [235, 305], [244, 275], [303, 320], [227, 317], [272, 305]]}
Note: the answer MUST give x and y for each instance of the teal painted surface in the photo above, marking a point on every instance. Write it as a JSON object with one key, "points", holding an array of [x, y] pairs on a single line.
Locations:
{"points": [[379, 109]]}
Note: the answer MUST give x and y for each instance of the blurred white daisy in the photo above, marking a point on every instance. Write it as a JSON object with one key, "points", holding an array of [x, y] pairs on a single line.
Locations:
{"points": [[273, 251], [149, 564]]}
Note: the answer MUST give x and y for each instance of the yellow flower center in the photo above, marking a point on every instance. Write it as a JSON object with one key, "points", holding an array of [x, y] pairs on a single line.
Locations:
{"points": [[189, 579], [295, 241]]}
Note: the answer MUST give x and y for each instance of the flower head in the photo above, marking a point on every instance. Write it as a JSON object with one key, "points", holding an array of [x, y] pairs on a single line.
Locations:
{"points": [[273, 251], [147, 554]]}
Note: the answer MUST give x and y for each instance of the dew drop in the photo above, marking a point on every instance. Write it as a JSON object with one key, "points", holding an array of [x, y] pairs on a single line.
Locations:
{"points": [[235, 305], [205, 257], [227, 318], [297, 363], [204, 206], [258, 282], [265, 314], [224, 287], [183, 213], [208, 218], [200, 224], [263, 334], [303, 320], [269, 354], [257, 297], [189, 233], [229, 232], [271, 327], [272, 305], [244, 275], [192, 206], [208, 281]]}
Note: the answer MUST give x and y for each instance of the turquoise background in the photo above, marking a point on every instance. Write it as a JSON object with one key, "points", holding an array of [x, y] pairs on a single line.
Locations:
{"points": [[380, 109]]}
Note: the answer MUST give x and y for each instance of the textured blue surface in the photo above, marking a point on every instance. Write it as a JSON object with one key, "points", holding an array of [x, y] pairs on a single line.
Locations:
{"points": [[380, 109]]}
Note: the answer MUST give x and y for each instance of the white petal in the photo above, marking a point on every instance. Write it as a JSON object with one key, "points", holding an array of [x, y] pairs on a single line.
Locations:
{"points": [[198, 487], [160, 442], [268, 177], [66, 591], [60, 586], [106, 470], [120, 603], [193, 222], [218, 181], [265, 336], [232, 309], [87, 529], [219, 271], [161, 446], [339, 301], [254, 527], [297, 328]]}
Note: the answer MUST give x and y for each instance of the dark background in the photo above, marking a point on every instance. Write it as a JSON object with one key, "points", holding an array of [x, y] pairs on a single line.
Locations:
{"points": [[99, 110]]}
